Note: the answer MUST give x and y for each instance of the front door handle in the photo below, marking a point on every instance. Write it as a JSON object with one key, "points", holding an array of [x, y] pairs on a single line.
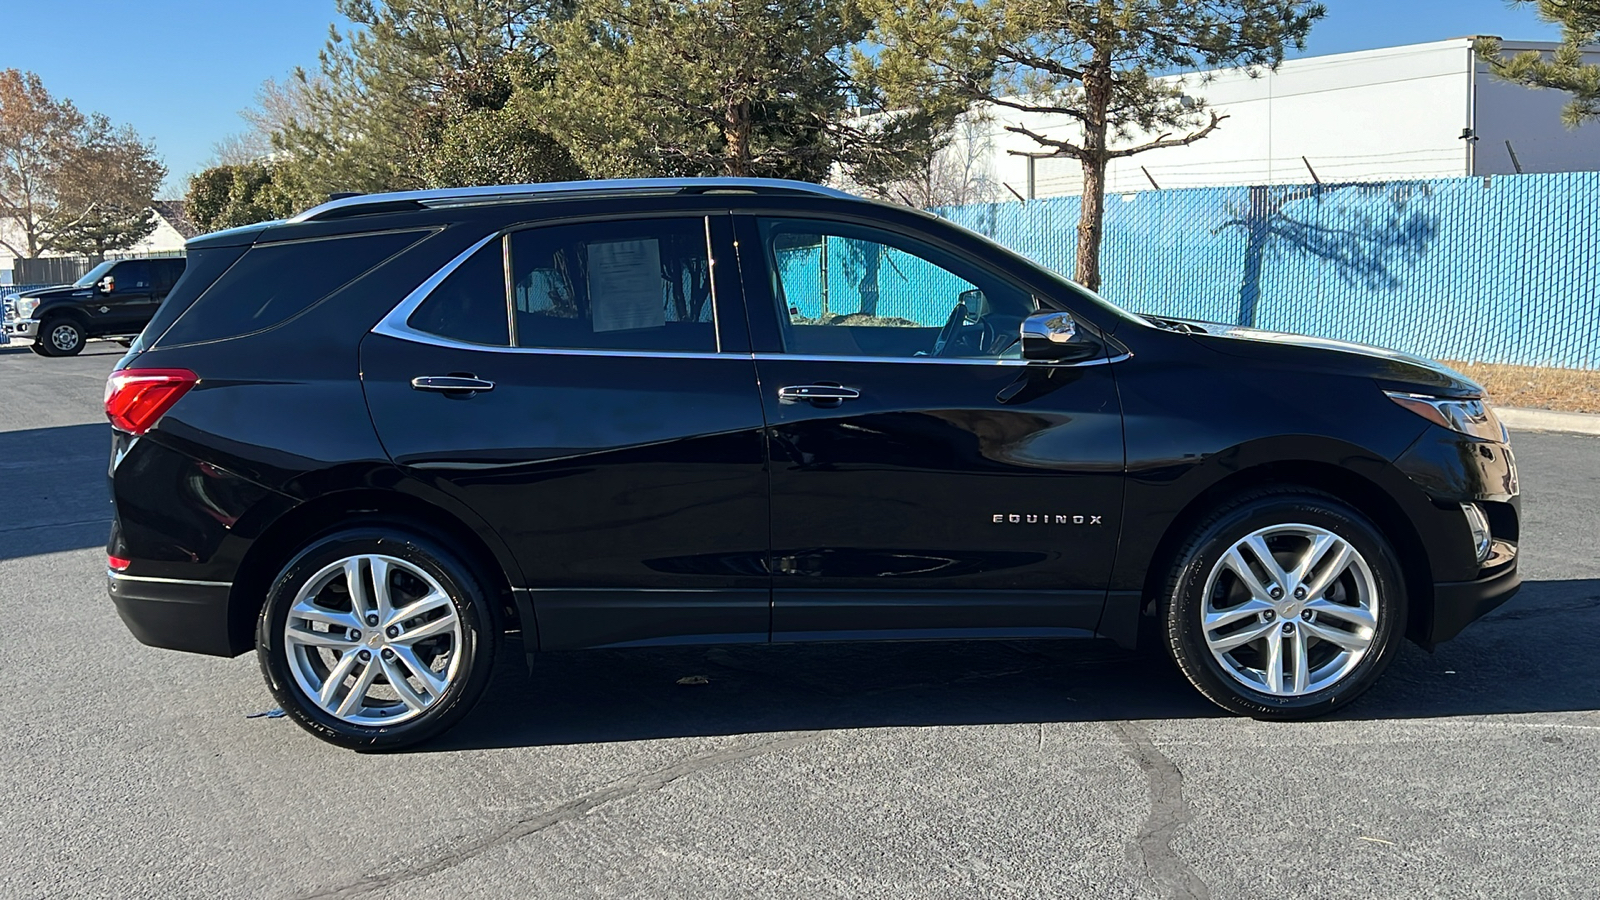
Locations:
{"points": [[451, 384], [817, 394]]}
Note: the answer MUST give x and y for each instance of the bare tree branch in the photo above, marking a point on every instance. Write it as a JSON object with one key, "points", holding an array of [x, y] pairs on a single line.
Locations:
{"points": [[1167, 140]]}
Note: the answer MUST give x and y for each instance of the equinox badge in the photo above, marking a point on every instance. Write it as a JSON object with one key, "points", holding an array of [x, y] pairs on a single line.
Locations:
{"points": [[1043, 519]]}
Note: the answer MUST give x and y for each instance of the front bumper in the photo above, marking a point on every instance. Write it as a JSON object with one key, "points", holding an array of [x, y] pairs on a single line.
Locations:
{"points": [[1458, 604], [175, 614], [27, 328]]}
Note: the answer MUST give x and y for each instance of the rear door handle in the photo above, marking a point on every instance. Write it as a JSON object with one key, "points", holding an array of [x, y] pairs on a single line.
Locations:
{"points": [[451, 384], [817, 394]]}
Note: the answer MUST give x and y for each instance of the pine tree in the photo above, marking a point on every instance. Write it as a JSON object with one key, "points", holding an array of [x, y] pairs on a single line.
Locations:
{"points": [[476, 133], [1563, 70], [379, 83], [1096, 66], [725, 87]]}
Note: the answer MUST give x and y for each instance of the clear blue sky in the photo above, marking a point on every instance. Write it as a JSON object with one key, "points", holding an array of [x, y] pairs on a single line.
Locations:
{"points": [[179, 71]]}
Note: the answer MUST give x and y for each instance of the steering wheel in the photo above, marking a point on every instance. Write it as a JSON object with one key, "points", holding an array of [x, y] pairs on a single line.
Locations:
{"points": [[947, 334]]}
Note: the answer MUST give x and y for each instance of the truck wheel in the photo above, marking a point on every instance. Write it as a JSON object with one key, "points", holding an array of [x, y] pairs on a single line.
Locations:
{"points": [[62, 337], [40, 348]]}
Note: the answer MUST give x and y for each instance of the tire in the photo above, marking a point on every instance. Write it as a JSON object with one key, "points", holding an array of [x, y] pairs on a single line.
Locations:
{"points": [[457, 649], [1347, 625], [62, 337], [39, 348]]}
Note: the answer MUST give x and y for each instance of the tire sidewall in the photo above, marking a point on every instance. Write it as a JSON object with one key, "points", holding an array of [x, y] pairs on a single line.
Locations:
{"points": [[1185, 604], [48, 329], [466, 590]]}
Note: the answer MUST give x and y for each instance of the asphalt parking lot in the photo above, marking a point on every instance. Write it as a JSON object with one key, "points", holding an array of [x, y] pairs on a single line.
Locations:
{"points": [[912, 770]]}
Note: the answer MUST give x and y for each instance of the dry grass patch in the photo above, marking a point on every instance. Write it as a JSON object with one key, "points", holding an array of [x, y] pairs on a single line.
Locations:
{"points": [[1569, 390]]}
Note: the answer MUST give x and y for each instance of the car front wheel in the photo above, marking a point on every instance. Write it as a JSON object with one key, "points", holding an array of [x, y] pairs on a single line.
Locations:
{"points": [[377, 638], [1286, 604], [62, 337]]}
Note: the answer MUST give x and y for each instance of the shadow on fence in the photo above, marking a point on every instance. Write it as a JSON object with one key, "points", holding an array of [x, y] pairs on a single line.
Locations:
{"points": [[1476, 269]]}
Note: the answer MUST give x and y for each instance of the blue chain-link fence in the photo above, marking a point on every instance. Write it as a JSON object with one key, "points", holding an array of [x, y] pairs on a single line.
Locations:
{"points": [[1500, 270]]}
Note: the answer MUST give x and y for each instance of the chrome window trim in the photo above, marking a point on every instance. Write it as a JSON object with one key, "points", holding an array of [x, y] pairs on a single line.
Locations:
{"points": [[119, 576], [433, 340], [421, 337], [954, 361], [568, 190], [395, 323]]}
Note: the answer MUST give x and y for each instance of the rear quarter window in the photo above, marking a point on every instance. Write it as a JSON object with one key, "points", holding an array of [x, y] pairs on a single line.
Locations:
{"points": [[272, 283], [202, 268]]}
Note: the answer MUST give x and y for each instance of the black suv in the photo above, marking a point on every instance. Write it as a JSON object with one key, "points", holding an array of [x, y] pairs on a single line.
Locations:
{"points": [[372, 441], [117, 298]]}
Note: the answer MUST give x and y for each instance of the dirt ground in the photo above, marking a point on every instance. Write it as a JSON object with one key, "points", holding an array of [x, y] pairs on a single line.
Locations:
{"points": [[1569, 390]]}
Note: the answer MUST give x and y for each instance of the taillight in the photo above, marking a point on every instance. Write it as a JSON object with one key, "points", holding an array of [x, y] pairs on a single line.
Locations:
{"points": [[117, 563], [136, 398]]}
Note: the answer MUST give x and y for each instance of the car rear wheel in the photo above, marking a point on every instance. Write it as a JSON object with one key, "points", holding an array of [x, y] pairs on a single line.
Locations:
{"points": [[1286, 604], [62, 337], [377, 638]]}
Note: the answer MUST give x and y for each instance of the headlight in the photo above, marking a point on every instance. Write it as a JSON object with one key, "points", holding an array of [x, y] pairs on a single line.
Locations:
{"points": [[1471, 417], [26, 306]]}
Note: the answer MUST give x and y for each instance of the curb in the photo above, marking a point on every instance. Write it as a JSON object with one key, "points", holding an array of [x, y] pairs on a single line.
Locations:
{"points": [[1548, 420]]}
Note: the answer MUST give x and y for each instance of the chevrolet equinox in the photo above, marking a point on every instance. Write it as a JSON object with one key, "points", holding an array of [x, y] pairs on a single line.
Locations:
{"points": [[373, 441]]}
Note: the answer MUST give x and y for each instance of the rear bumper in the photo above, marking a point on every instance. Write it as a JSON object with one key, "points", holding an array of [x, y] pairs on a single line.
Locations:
{"points": [[1458, 604], [175, 614]]}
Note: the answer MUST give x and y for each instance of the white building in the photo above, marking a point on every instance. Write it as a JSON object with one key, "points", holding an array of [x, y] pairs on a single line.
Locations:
{"points": [[1375, 115], [172, 229]]}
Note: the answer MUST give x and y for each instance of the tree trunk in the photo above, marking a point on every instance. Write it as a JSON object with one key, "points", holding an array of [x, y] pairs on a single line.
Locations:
{"points": [[736, 139], [1097, 89], [1091, 224]]}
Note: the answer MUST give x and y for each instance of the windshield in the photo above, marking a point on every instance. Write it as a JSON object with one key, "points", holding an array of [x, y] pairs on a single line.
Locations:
{"points": [[95, 274]]}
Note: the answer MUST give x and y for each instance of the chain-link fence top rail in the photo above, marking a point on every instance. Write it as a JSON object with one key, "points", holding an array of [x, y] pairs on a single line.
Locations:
{"points": [[1499, 270]]}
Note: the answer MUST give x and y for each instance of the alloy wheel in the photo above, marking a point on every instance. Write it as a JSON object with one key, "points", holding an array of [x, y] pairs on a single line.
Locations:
{"points": [[373, 640], [1290, 610]]}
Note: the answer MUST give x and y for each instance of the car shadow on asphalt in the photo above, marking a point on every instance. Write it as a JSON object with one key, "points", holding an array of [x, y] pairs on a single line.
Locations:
{"points": [[57, 489], [1530, 656]]}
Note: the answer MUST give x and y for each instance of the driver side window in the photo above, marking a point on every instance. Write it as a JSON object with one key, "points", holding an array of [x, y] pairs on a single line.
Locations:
{"points": [[847, 290]]}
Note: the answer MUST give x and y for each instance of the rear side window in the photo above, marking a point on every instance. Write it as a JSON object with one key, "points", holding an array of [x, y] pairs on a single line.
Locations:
{"points": [[167, 272], [274, 282], [133, 275], [470, 303], [640, 285]]}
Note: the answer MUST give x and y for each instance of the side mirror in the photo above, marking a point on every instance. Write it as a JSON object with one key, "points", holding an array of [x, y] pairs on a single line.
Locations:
{"points": [[1055, 336], [108, 284]]}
